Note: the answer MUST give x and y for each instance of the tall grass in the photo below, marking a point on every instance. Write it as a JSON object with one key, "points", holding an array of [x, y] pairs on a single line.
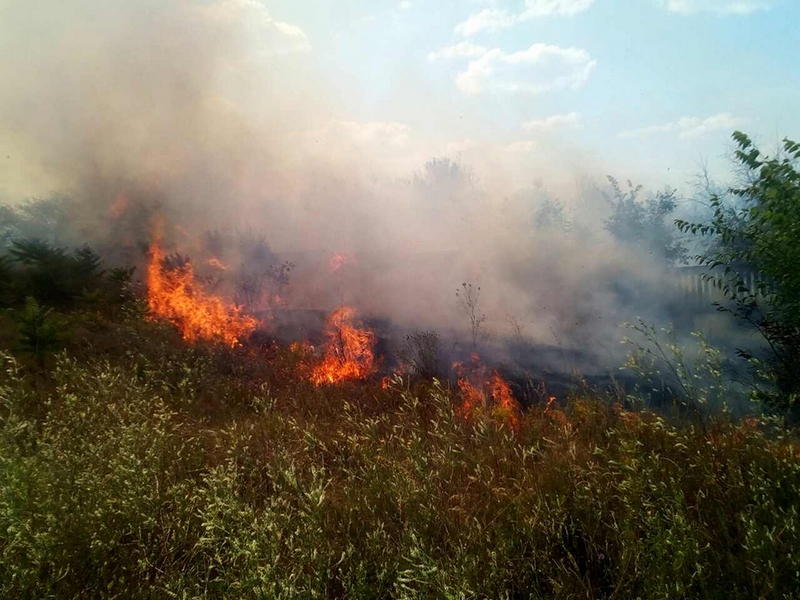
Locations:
{"points": [[183, 473]]}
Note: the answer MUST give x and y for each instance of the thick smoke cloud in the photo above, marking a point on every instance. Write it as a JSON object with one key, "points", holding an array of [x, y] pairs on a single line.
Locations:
{"points": [[215, 115]]}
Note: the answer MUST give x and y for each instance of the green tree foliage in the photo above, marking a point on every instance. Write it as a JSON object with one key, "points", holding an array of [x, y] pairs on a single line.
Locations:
{"points": [[5, 280], [120, 284], [443, 182], [550, 215], [763, 236], [62, 279], [8, 224], [52, 275], [643, 223], [40, 333]]}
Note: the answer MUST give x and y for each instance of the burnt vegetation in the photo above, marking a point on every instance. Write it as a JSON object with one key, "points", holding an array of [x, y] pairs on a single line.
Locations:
{"points": [[135, 463]]}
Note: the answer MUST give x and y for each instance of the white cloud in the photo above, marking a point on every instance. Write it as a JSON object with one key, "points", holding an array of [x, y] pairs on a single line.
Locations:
{"points": [[694, 127], [738, 7], [688, 127], [545, 8], [267, 34], [493, 19], [490, 19], [540, 68], [405, 5], [460, 50], [569, 121]]}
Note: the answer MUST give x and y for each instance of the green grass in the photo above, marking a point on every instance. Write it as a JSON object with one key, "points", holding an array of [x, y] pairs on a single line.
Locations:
{"points": [[134, 466]]}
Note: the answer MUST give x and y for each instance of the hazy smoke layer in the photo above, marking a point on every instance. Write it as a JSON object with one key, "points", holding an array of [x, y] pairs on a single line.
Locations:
{"points": [[215, 115]]}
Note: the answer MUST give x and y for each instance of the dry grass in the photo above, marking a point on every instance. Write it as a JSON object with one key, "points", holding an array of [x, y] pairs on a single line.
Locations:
{"points": [[139, 467]]}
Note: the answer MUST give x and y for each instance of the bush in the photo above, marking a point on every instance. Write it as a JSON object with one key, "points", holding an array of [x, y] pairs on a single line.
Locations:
{"points": [[762, 237], [420, 354], [643, 224]]}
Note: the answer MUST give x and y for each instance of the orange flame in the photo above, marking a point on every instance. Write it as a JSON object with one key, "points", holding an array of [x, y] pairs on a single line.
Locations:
{"points": [[301, 347], [349, 352], [176, 296], [558, 417], [472, 399], [484, 390], [217, 264], [339, 260], [504, 404]]}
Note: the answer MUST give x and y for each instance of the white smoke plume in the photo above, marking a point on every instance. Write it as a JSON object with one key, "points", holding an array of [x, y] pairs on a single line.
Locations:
{"points": [[216, 114]]}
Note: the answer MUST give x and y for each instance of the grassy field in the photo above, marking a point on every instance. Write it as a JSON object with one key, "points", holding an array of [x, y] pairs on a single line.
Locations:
{"points": [[135, 465]]}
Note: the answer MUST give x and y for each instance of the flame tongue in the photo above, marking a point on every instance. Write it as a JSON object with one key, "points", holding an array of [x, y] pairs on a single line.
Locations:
{"points": [[505, 406], [341, 259], [484, 390], [176, 296], [217, 264], [349, 352]]}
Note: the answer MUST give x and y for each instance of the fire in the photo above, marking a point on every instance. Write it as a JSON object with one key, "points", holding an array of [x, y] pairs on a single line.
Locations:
{"points": [[472, 398], [119, 206], [217, 264], [557, 416], [174, 294], [504, 404], [349, 351], [484, 390], [339, 260], [301, 347]]}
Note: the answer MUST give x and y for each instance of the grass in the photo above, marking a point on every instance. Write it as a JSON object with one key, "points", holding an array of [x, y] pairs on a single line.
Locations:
{"points": [[134, 466]]}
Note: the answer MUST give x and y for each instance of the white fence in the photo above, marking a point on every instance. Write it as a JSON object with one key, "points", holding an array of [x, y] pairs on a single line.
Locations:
{"points": [[699, 291]]}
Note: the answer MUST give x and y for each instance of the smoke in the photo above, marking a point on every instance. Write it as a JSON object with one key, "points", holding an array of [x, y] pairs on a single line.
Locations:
{"points": [[216, 115]]}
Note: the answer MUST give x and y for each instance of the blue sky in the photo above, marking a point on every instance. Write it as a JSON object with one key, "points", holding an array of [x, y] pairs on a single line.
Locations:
{"points": [[637, 86], [309, 119], [519, 90]]}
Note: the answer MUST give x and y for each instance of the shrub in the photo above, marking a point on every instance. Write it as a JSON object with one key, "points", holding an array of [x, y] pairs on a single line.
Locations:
{"points": [[764, 237], [420, 353]]}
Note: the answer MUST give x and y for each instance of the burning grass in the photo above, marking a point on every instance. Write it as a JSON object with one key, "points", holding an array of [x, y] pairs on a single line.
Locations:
{"points": [[114, 485], [136, 465], [349, 351], [176, 295], [484, 391]]}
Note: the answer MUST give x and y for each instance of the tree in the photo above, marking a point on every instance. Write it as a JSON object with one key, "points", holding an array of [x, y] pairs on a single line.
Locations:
{"points": [[762, 237], [643, 223], [53, 275], [550, 215], [40, 333], [61, 278], [468, 297], [444, 180]]}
